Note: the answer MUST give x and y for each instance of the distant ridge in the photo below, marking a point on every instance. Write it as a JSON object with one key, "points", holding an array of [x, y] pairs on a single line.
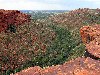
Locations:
{"points": [[25, 11], [50, 11]]}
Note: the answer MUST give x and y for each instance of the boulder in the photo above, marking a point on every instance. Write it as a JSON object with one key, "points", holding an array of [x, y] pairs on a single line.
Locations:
{"points": [[91, 37]]}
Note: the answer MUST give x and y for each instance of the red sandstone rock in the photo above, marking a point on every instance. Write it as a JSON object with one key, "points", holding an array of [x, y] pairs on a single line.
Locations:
{"points": [[89, 33], [13, 17], [91, 37], [79, 66], [30, 71]]}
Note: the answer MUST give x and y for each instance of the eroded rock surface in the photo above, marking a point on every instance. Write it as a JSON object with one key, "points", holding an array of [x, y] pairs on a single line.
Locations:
{"points": [[79, 66], [91, 37], [30, 71]]}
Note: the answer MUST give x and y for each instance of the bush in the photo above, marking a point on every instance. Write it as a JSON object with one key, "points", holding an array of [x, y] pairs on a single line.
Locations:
{"points": [[63, 46]]}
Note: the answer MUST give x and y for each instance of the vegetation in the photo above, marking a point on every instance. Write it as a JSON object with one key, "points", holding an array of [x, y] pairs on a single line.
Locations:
{"points": [[42, 43]]}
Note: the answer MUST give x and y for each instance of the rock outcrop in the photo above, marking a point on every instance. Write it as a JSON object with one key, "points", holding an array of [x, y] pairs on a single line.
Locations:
{"points": [[91, 37], [79, 66], [12, 17]]}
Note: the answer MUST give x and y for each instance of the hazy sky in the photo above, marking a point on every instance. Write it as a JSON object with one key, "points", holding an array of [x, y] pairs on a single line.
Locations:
{"points": [[48, 4]]}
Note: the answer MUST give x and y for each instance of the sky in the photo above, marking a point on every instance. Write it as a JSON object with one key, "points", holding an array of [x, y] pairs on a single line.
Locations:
{"points": [[48, 4]]}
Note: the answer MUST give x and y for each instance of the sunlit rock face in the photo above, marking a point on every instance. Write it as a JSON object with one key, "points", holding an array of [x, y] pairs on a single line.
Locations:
{"points": [[30, 71], [89, 33], [91, 37], [80, 66], [12, 18]]}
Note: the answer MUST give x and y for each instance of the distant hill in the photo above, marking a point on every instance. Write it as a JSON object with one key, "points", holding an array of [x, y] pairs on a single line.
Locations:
{"points": [[45, 11], [42, 14], [25, 11], [77, 18]]}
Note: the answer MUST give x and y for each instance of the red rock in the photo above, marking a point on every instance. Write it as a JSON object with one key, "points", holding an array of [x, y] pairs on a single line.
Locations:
{"points": [[79, 66], [91, 37], [13, 17], [30, 71]]}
